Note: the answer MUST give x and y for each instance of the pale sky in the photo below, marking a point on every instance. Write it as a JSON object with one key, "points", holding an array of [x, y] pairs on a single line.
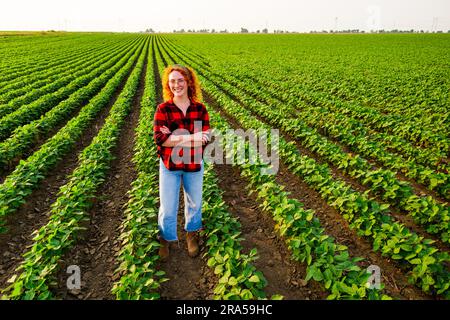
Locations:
{"points": [[165, 16]]}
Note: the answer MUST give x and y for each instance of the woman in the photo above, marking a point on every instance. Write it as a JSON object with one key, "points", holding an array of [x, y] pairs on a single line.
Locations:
{"points": [[181, 132]]}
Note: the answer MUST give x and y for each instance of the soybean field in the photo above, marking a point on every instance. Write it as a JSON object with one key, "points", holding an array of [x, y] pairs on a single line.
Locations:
{"points": [[357, 208]]}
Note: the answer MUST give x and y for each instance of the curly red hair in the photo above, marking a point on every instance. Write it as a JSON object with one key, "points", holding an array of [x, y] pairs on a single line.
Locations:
{"points": [[194, 89]]}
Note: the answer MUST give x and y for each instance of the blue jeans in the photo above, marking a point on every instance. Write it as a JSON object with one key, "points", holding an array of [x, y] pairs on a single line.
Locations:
{"points": [[169, 194]]}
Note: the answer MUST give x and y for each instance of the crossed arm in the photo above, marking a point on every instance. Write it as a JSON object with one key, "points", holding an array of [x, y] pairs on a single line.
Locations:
{"points": [[189, 140]]}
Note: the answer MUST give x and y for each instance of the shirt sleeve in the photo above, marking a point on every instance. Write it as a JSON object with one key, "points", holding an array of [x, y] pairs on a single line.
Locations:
{"points": [[159, 121], [205, 120]]}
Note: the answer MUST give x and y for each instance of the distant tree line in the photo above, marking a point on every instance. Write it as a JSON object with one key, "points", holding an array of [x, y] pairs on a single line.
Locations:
{"points": [[200, 31], [377, 31], [265, 30], [243, 30]]}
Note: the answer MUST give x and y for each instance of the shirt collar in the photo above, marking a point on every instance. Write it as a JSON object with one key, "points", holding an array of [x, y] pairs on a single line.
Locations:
{"points": [[190, 101]]}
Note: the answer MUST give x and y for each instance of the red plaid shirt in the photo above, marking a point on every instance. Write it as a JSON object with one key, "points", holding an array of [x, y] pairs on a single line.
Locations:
{"points": [[196, 120]]}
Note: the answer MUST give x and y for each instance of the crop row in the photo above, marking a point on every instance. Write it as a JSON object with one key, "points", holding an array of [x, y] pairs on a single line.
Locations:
{"points": [[17, 68], [338, 115], [38, 61], [331, 120], [24, 137], [28, 174], [34, 110], [17, 92], [139, 252], [425, 210], [75, 198], [412, 131], [417, 99]]}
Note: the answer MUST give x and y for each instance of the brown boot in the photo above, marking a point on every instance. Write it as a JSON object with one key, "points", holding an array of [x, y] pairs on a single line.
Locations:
{"points": [[192, 244], [164, 249]]}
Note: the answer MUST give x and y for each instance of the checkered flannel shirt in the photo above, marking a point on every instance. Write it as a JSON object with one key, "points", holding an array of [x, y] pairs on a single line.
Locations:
{"points": [[169, 115]]}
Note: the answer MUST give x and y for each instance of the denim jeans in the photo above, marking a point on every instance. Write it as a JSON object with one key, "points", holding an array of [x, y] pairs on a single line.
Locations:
{"points": [[169, 194]]}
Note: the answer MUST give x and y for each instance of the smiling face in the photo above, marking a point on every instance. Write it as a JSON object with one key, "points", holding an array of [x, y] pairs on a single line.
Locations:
{"points": [[178, 84]]}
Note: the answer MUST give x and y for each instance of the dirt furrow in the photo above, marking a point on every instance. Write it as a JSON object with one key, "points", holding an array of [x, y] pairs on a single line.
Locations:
{"points": [[189, 278]]}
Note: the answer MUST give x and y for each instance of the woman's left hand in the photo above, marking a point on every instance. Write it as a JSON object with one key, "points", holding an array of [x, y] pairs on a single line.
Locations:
{"points": [[165, 130]]}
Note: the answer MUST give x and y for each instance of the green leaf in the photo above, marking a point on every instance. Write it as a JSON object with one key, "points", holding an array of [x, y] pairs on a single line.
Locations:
{"points": [[232, 281], [318, 275], [218, 269]]}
